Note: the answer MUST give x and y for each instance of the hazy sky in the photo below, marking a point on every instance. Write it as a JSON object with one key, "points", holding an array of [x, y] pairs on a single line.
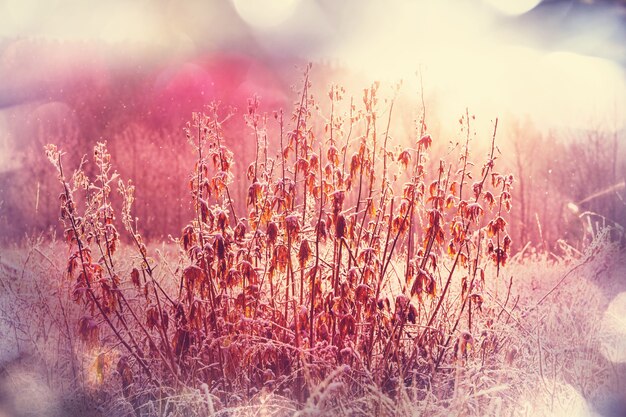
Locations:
{"points": [[315, 26], [557, 59]]}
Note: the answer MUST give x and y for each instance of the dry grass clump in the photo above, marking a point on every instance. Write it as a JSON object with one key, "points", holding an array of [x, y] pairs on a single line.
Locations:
{"points": [[351, 256], [557, 347], [357, 282]]}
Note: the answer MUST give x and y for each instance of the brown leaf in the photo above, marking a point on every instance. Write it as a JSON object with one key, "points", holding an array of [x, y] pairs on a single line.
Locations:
{"points": [[134, 276], [426, 141], [292, 225], [333, 155], [347, 326], [404, 158], [88, 331], [304, 254], [362, 293], [272, 233]]}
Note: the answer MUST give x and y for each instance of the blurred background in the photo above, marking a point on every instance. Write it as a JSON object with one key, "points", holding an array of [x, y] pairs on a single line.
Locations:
{"points": [[75, 72]]}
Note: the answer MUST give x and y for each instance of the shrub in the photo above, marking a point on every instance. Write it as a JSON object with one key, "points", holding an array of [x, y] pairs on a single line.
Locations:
{"points": [[351, 256]]}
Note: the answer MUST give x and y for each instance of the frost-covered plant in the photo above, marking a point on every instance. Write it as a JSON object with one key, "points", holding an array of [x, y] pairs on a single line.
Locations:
{"points": [[350, 256]]}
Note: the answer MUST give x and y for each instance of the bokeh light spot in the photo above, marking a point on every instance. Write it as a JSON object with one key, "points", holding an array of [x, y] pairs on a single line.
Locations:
{"points": [[265, 14], [513, 7]]}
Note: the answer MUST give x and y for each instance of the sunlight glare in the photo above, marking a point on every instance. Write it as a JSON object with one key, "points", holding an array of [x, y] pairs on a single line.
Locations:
{"points": [[613, 330], [465, 62], [575, 85], [563, 400]]}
